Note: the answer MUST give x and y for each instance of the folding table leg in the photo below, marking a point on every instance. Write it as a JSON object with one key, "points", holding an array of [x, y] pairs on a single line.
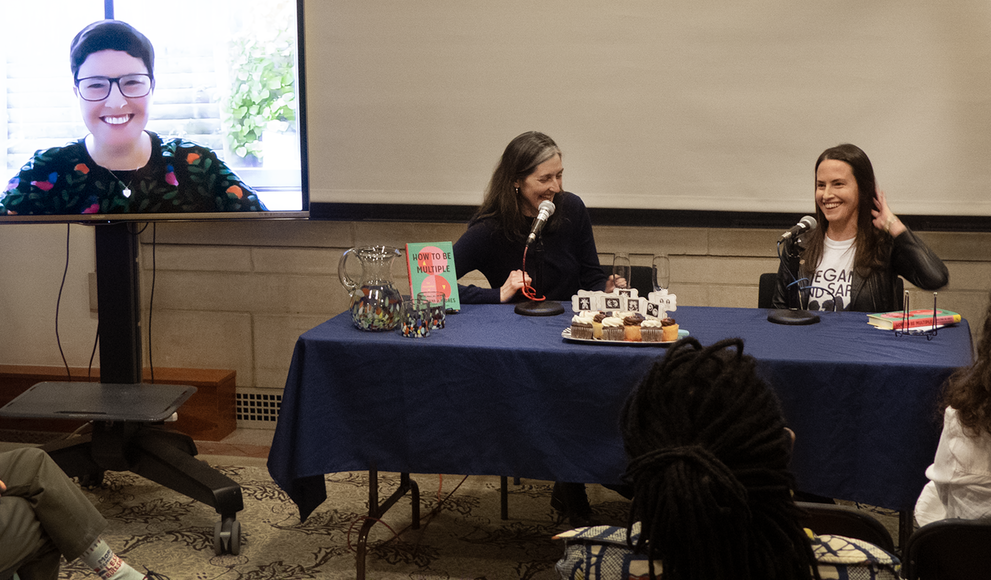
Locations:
{"points": [[504, 495], [376, 511]]}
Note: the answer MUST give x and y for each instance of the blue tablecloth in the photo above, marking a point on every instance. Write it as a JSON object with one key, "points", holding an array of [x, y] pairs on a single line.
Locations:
{"points": [[496, 393]]}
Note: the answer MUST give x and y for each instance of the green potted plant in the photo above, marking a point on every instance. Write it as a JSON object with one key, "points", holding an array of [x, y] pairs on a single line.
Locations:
{"points": [[262, 96]]}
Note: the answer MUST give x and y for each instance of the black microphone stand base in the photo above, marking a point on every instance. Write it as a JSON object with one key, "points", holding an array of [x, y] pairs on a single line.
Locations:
{"points": [[792, 317], [542, 308]]}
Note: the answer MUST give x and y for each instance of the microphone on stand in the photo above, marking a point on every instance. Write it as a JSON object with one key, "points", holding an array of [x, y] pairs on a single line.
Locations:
{"points": [[544, 211], [539, 307], [806, 224], [794, 316]]}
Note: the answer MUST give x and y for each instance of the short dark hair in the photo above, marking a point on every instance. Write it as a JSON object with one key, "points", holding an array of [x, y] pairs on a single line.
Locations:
{"points": [[110, 35]]}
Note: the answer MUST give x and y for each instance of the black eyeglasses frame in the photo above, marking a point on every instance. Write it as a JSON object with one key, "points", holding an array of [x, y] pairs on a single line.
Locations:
{"points": [[111, 81]]}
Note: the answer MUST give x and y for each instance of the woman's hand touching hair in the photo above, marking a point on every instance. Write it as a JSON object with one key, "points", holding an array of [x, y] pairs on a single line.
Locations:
{"points": [[884, 220]]}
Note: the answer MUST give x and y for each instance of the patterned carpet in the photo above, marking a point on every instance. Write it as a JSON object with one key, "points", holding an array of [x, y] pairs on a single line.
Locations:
{"points": [[461, 534]]}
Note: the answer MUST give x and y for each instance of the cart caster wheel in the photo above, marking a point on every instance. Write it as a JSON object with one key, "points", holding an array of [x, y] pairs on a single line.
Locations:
{"points": [[227, 537], [91, 479]]}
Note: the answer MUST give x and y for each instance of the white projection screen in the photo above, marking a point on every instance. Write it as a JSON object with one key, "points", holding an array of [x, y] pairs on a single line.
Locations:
{"points": [[657, 105]]}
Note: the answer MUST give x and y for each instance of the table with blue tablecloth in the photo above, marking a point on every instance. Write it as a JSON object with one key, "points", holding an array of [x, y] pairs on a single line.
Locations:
{"points": [[496, 393]]}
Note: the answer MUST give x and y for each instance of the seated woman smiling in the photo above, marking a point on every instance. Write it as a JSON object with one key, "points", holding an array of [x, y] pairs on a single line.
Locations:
{"points": [[852, 260]]}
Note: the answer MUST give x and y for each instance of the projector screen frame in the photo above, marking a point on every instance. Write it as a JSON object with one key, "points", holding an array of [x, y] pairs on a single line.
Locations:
{"points": [[626, 217]]}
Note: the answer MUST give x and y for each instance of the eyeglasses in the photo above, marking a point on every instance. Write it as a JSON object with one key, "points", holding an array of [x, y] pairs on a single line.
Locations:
{"points": [[98, 88]]}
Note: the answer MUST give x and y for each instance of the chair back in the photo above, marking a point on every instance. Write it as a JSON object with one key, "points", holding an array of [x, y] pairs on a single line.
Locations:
{"points": [[839, 520], [949, 550], [765, 289]]}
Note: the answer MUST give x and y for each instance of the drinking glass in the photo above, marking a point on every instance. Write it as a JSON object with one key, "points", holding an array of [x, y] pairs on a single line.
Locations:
{"points": [[621, 270], [661, 268], [414, 322], [435, 307]]}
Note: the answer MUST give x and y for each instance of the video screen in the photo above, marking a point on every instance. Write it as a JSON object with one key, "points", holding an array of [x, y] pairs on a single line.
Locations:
{"points": [[214, 130]]}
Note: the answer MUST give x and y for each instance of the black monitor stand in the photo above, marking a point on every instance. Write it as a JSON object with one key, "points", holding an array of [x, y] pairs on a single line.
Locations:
{"points": [[118, 289], [120, 443]]}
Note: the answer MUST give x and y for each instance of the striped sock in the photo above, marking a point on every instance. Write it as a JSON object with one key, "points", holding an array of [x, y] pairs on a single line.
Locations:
{"points": [[107, 565]]}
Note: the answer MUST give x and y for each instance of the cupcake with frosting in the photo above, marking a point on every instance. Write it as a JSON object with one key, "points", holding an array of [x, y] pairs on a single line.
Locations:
{"points": [[581, 327], [650, 330], [612, 328], [670, 329], [631, 326], [597, 324]]}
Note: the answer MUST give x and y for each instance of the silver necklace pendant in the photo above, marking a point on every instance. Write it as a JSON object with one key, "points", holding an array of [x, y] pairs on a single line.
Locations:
{"points": [[127, 192]]}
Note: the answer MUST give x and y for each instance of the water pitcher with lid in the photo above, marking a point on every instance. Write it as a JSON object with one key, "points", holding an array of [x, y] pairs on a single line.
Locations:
{"points": [[375, 302]]}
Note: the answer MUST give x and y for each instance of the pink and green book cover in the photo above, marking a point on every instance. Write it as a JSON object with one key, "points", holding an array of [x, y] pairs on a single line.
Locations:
{"points": [[898, 319], [431, 269]]}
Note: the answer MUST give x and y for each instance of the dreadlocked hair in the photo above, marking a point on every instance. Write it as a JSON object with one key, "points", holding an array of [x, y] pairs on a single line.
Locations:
{"points": [[709, 466]]}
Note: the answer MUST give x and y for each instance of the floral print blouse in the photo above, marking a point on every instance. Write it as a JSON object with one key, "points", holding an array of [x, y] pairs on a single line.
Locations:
{"points": [[180, 177]]}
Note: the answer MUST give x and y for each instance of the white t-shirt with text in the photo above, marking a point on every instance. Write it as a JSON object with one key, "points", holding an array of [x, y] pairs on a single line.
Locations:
{"points": [[833, 277]]}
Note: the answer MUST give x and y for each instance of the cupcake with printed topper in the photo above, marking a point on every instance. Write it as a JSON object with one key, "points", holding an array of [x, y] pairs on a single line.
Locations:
{"points": [[612, 329], [631, 326]]}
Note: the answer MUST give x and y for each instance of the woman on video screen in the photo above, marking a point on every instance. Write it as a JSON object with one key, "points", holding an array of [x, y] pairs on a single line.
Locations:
{"points": [[120, 167]]}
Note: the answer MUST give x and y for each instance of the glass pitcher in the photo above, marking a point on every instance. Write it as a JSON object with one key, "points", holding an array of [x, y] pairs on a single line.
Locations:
{"points": [[375, 302]]}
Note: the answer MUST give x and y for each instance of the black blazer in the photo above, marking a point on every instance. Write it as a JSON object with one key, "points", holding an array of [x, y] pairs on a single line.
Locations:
{"points": [[910, 258]]}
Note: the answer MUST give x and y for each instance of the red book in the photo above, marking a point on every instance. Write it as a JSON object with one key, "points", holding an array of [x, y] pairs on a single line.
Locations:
{"points": [[898, 319]]}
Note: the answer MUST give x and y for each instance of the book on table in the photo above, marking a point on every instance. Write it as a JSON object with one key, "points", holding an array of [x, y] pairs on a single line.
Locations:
{"points": [[431, 269], [923, 317]]}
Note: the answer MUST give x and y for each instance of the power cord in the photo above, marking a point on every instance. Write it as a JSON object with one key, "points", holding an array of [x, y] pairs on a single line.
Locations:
{"points": [[58, 303], [151, 299]]}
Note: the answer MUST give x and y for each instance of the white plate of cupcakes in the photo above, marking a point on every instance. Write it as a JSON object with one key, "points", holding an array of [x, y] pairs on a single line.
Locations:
{"points": [[622, 328]]}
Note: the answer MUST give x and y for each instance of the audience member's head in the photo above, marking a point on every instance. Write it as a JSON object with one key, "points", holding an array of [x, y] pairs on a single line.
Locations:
{"points": [[969, 389], [709, 452]]}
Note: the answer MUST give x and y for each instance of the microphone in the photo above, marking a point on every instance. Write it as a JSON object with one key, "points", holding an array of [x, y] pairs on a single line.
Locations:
{"points": [[796, 316], [544, 211], [806, 224]]}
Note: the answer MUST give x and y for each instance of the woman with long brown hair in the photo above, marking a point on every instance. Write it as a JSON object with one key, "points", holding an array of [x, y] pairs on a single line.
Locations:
{"points": [[960, 476], [853, 259]]}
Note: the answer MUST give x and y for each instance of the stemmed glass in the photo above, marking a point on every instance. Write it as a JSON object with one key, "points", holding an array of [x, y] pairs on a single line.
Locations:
{"points": [[621, 271], [661, 269]]}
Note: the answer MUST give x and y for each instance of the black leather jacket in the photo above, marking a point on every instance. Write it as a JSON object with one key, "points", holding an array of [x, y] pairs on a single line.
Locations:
{"points": [[910, 258]]}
